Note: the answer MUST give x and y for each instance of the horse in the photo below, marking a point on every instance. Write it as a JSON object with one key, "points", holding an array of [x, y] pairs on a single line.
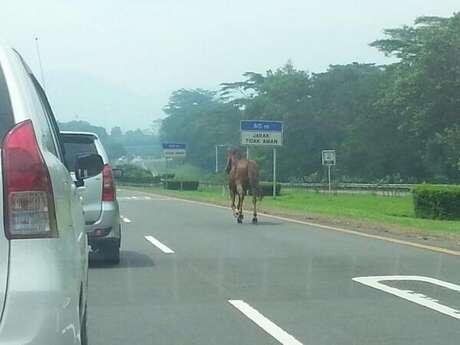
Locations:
{"points": [[243, 175]]}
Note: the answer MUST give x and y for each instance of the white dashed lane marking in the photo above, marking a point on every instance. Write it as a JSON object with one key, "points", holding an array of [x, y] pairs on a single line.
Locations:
{"points": [[165, 249], [268, 326], [143, 198]]}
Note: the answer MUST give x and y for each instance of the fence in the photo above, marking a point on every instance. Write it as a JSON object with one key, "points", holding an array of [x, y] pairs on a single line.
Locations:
{"points": [[352, 188]]}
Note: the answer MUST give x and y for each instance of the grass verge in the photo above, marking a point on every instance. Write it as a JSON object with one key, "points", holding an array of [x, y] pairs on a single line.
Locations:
{"points": [[395, 214]]}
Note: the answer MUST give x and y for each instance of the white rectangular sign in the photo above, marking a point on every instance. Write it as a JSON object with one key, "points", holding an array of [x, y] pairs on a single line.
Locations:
{"points": [[328, 157], [262, 133], [174, 150]]}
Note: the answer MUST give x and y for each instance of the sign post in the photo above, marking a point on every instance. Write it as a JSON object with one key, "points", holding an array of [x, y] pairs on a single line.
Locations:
{"points": [[217, 160], [263, 133], [328, 158], [274, 172]]}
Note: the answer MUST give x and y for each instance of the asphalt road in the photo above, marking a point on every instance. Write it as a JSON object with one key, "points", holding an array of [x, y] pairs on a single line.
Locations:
{"points": [[203, 279]]}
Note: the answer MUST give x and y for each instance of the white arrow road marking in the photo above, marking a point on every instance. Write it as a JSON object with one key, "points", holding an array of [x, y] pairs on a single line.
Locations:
{"points": [[375, 282], [268, 326], [125, 220], [165, 249]]}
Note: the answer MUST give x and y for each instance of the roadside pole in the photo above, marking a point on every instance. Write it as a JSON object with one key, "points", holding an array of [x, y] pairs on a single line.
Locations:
{"points": [[217, 160], [328, 157], [247, 152], [274, 172]]}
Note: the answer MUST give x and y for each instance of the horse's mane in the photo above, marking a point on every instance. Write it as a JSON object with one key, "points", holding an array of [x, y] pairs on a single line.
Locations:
{"points": [[234, 152]]}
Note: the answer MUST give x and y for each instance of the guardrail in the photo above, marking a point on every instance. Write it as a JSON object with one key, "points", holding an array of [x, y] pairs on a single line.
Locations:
{"points": [[354, 188], [374, 188], [382, 189]]}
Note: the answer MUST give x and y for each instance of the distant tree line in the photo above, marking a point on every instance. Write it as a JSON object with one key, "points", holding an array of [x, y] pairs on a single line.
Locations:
{"points": [[393, 123], [119, 144]]}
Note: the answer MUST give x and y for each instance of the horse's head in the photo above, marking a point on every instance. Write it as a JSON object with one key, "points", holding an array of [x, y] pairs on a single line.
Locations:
{"points": [[234, 155]]}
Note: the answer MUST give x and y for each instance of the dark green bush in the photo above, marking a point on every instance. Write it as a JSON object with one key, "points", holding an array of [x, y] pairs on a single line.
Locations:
{"points": [[167, 176], [135, 173], [267, 188], [437, 201], [140, 180], [180, 185]]}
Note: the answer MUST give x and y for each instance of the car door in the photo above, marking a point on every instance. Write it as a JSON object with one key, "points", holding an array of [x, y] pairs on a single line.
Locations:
{"points": [[68, 200], [6, 122]]}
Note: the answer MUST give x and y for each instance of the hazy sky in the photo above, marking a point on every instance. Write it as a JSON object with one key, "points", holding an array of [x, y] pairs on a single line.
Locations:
{"points": [[116, 62]]}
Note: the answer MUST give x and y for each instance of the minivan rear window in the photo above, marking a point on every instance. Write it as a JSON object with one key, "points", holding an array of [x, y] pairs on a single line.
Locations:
{"points": [[75, 145], [6, 111]]}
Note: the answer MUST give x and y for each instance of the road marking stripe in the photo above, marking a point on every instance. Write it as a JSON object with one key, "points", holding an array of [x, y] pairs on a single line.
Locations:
{"points": [[268, 326], [327, 227], [165, 249], [375, 282], [124, 219]]}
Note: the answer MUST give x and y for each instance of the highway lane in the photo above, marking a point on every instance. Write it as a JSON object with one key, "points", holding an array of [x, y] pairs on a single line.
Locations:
{"points": [[224, 283]]}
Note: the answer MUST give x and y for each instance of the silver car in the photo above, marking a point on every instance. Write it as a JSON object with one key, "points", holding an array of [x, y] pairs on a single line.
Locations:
{"points": [[43, 244], [100, 203]]}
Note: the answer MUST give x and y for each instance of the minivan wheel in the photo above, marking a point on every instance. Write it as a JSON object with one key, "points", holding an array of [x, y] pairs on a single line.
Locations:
{"points": [[83, 330], [111, 252]]}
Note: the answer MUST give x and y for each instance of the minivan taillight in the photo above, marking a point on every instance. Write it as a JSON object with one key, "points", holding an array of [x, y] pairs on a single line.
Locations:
{"points": [[28, 194], [108, 185]]}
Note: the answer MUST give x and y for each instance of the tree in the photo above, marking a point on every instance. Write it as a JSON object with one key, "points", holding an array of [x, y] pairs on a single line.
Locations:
{"points": [[116, 132]]}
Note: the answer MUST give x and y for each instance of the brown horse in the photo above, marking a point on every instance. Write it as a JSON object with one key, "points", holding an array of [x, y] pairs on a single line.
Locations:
{"points": [[243, 175]]}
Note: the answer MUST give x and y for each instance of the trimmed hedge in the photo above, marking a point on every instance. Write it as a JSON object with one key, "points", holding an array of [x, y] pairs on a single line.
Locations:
{"points": [[180, 185], [167, 176], [437, 201], [140, 180], [267, 189]]}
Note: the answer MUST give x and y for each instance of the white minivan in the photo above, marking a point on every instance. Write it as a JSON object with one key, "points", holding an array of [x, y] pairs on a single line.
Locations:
{"points": [[100, 204], [43, 243]]}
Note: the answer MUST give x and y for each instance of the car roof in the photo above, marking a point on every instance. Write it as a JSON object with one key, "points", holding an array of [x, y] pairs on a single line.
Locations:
{"points": [[82, 134]]}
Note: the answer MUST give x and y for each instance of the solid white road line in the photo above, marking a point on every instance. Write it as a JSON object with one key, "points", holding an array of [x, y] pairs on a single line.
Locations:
{"points": [[375, 282], [264, 323], [327, 227], [159, 245]]}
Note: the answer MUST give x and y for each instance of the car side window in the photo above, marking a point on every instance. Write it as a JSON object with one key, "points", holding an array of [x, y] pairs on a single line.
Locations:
{"points": [[50, 119]]}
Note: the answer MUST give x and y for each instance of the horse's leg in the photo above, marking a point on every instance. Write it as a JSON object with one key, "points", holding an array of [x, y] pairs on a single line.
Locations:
{"points": [[254, 204], [240, 191], [233, 197]]}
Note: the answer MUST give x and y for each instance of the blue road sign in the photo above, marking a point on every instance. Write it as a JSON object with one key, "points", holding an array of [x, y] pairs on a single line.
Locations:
{"points": [[262, 126], [173, 146]]}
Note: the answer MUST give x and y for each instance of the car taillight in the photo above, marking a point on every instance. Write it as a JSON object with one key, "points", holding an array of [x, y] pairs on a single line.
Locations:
{"points": [[28, 194], [108, 185]]}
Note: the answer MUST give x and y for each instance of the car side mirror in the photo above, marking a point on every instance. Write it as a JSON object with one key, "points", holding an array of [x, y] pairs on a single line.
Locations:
{"points": [[117, 172], [87, 165]]}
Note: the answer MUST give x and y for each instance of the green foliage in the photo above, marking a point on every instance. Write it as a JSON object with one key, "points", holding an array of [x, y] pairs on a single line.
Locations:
{"points": [[267, 188], [180, 185], [134, 174], [200, 120], [393, 213], [437, 201], [398, 122]]}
